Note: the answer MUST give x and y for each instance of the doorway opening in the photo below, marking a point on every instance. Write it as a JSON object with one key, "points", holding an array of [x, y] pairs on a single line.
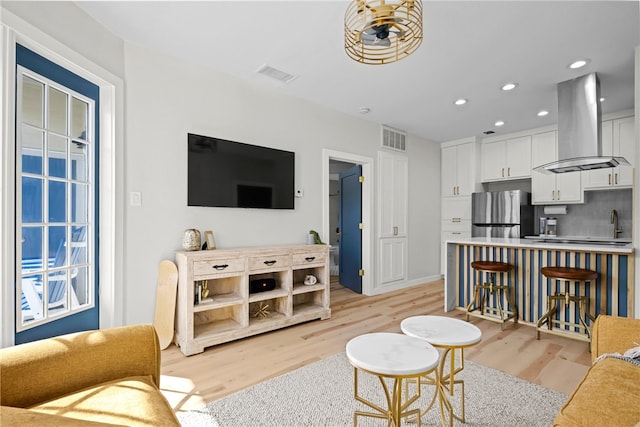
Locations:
{"points": [[334, 163]]}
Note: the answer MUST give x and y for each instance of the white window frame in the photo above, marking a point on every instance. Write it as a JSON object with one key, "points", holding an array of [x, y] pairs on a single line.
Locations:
{"points": [[90, 180]]}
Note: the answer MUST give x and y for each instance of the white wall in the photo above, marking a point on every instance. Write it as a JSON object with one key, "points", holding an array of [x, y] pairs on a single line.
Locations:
{"points": [[167, 98]]}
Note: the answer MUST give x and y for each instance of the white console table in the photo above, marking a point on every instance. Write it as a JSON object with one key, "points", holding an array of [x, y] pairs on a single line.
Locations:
{"points": [[232, 311]]}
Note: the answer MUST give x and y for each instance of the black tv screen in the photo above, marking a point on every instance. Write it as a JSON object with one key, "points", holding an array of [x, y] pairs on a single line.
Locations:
{"points": [[231, 174]]}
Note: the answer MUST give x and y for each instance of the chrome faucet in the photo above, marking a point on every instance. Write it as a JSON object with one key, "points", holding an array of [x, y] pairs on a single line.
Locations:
{"points": [[614, 220]]}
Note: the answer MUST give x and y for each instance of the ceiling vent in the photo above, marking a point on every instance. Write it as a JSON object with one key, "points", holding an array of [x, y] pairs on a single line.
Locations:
{"points": [[274, 73], [394, 139]]}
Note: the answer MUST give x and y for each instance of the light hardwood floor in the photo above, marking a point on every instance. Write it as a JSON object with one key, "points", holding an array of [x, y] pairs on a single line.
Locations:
{"points": [[189, 382]]}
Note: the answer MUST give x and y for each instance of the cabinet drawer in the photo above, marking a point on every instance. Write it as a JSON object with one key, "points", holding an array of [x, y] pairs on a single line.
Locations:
{"points": [[457, 209], [464, 226], [306, 258], [207, 268], [269, 261]]}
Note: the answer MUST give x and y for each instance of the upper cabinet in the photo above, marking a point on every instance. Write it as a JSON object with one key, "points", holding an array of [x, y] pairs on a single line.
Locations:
{"points": [[458, 168], [618, 139], [552, 188], [506, 159]]}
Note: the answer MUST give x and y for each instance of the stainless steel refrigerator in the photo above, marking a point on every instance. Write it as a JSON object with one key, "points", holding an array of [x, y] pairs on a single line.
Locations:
{"points": [[501, 214]]}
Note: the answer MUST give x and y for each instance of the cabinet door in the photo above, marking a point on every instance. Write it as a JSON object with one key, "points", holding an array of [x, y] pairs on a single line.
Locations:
{"points": [[601, 178], [624, 145], [393, 260], [464, 170], [569, 188], [518, 158], [393, 198], [492, 161], [543, 151], [449, 178]]}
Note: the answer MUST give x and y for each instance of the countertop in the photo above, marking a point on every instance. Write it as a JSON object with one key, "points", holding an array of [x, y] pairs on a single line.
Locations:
{"points": [[569, 243]]}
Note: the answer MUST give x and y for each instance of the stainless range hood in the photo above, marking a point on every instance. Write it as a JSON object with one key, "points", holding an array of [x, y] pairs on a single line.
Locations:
{"points": [[579, 133]]}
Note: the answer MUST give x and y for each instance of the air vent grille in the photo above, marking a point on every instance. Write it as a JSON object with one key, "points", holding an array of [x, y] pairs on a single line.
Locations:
{"points": [[274, 73], [394, 139]]}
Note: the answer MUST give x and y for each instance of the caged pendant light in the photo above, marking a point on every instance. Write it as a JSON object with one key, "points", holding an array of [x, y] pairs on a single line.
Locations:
{"points": [[382, 31]]}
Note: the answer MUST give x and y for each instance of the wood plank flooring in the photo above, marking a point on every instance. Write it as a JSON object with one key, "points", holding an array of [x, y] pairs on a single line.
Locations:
{"points": [[189, 382]]}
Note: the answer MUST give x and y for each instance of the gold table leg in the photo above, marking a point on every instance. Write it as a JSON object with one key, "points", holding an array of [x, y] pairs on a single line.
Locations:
{"points": [[397, 409]]}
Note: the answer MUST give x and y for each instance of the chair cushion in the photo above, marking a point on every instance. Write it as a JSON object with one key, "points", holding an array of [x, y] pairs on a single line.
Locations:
{"points": [[132, 401], [10, 416], [607, 396]]}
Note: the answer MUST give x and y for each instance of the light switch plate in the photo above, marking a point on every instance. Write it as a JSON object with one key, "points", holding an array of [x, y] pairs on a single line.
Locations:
{"points": [[135, 198]]}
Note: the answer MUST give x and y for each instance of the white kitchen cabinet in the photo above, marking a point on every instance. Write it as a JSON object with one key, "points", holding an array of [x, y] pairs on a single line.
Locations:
{"points": [[506, 159], [393, 198], [552, 188], [455, 222], [618, 139], [458, 169]]}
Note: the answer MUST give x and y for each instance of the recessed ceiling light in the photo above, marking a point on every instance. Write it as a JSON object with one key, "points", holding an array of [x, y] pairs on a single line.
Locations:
{"points": [[509, 86], [579, 63], [542, 113], [364, 110], [460, 101], [499, 123]]}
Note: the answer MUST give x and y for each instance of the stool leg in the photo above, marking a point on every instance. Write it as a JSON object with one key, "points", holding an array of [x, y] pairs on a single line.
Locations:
{"points": [[546, 318], [471, 307]]}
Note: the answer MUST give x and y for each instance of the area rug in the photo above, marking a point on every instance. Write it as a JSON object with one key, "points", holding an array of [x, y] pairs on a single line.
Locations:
{"points": [[321, 394]]}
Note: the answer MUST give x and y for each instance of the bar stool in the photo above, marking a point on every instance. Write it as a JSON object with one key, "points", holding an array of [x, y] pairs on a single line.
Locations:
{"points": [[568, 275], [482, 291]]}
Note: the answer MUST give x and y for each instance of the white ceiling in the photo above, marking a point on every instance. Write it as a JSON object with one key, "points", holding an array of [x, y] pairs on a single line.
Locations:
{"points": [[470, 50]]}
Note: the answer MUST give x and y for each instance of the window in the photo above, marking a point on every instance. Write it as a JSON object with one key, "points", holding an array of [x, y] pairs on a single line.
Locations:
{"points": [[55, 196]]}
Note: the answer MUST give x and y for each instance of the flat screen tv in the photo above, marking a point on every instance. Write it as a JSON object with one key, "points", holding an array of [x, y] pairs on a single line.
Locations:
{"points": [[231, 174]]}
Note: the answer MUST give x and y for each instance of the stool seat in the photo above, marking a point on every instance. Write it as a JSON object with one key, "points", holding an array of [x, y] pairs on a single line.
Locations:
{"points": [[496, 266], [485, 290], [569, 273]]}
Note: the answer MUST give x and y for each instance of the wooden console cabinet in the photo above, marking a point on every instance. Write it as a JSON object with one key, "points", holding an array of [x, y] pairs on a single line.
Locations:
{"points": [[232, 312]]}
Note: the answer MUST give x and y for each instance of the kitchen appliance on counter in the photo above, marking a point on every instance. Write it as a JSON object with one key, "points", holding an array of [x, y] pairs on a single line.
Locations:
{"points": [[548, 226], [501, 214]]}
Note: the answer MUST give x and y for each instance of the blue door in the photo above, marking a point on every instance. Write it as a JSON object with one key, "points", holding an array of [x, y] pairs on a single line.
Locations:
{"points": [[56, 216], [350, 232]]}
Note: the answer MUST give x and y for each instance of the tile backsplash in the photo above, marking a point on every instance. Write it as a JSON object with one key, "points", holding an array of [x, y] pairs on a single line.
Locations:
{"points": [[593, 218]]}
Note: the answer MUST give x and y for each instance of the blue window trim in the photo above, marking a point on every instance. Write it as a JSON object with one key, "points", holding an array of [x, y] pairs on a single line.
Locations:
{"points": [[43, 66]]}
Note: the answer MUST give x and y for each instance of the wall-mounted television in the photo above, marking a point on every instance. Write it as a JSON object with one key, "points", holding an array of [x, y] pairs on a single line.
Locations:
{"points": [[232, 174]]}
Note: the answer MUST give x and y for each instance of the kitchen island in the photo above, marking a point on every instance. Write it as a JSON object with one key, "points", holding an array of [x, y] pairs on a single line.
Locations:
{"points": [[611, 293]]}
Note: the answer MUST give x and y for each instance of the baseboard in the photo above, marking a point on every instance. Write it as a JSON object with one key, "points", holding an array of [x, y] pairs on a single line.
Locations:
{"points": [[405, 284]]}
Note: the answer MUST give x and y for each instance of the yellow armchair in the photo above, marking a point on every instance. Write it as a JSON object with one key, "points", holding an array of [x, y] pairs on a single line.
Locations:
{"points": [[108, 376]]}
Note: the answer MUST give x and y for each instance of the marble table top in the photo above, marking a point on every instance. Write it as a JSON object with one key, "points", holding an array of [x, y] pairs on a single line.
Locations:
{"points": [[442, 331], [392, 354]]}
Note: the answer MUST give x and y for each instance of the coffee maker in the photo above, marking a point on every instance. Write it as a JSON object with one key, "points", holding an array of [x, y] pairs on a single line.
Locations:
{"points": [[548, 226]]}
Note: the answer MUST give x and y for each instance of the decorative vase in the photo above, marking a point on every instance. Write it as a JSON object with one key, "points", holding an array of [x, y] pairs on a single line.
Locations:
{"points": [[191, 240]]}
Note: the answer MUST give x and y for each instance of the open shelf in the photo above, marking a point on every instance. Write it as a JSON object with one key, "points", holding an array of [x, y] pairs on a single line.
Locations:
{"points": [[206, 330], [261, 296], [301, 288], [219, 301]]}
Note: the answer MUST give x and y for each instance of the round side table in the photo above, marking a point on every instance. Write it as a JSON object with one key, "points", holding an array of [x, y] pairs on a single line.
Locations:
{"points": [[450, 335], [397, 357]]}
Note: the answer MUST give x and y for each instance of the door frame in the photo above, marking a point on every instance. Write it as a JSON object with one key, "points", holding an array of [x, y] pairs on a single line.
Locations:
{"points": [[111, 264], [368, 279]]}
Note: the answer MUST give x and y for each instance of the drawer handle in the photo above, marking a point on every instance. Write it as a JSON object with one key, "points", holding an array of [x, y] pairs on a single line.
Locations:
{"points": [[220, 266], [270, 263], [310, 258]]}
